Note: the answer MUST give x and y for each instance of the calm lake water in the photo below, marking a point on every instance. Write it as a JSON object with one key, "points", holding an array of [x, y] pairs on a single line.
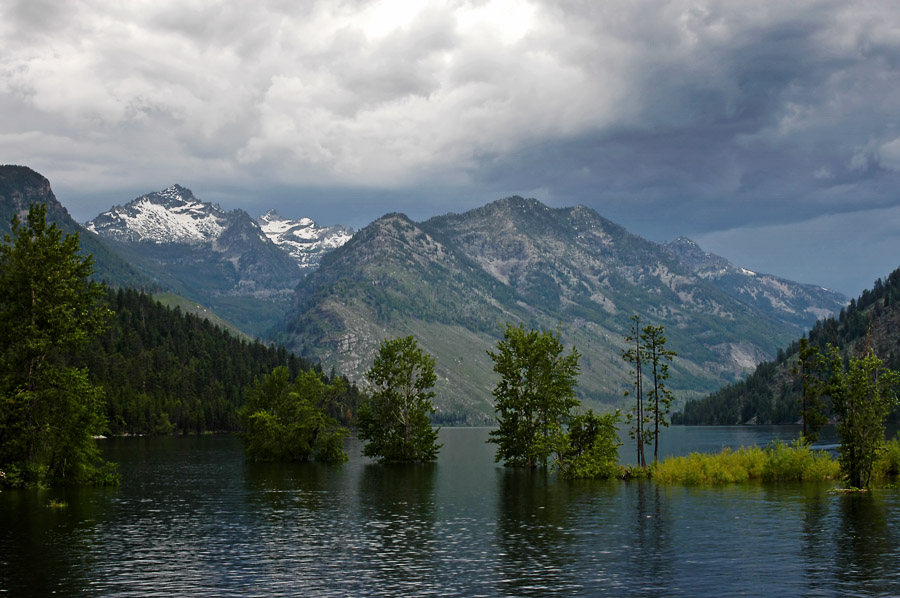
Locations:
{"points": [[192, 517]]}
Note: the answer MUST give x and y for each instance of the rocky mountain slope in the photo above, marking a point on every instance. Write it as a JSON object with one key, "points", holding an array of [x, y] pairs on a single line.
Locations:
{"points": [[454, 280], [794, 303], [21, 186]]}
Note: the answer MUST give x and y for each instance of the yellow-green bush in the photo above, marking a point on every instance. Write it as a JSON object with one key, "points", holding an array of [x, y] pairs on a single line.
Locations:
{"points": [[888, 464], [778, 461]]}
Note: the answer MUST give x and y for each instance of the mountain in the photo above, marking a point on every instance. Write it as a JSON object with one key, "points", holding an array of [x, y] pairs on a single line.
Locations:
{"points": [[801, 305], [21, 186], [221, 259], [771, 393], [303, 239], [455, 280]]}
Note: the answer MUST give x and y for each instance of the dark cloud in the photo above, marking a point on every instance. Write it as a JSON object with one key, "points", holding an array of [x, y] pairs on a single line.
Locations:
{"points": [[720, 119]]}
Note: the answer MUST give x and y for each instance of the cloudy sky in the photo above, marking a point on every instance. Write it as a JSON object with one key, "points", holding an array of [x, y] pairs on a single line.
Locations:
{"points": [[766, 130]]}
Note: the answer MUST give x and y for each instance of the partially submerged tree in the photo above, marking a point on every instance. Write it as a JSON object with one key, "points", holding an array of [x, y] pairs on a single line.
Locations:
{"points": [[534, 396], [634, 354], [659, 397], [49, 308], [645, 349], [394, 419], [811, 368], [287, 421], [591, 447], [862, 398]]}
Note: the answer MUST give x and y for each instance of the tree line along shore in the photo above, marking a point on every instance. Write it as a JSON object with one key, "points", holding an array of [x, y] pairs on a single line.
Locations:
{"points": [[80, 360]]}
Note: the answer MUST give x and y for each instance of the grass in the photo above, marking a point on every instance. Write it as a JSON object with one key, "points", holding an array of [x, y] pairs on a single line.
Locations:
{"points": [[779, 461], [776, 462]]}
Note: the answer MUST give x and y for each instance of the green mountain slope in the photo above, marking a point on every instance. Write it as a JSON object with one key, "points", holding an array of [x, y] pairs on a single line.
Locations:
{"points": [[454, 280], [770, 395], [20, 186]]}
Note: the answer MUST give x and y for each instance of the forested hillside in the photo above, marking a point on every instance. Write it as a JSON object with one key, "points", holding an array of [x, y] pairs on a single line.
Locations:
{"points": [[165, 371], [770, 395]]}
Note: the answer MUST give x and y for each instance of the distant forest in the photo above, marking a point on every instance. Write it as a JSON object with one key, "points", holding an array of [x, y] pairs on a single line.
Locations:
{"points": [[166, 371], [770, 395]]}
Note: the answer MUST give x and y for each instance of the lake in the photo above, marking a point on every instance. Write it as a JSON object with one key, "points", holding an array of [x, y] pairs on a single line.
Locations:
{"points": [[193, 517]]}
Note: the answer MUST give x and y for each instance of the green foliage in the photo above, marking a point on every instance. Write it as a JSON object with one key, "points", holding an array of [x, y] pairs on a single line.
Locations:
{"points": [[862, 398], [888, 464], [165, 371], [49, 308], [590, 449], [647, 354], [394, 419], [286, 421], [811, 369], [770, 396], [534, 396], [777, 462], [659, 397]]}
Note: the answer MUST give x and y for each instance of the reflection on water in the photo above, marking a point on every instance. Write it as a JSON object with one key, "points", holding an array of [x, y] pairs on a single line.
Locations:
{"points": [[866, 546], [193, 517]]}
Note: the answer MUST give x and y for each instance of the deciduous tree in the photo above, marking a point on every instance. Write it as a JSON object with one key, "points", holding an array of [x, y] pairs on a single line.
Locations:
{"points": [[394, 418], [534, 396], [287, 421], [591, 447], [862, 398]]}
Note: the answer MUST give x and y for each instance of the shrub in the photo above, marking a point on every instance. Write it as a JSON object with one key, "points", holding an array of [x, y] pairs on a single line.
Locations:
{"points": [[779, 461]]}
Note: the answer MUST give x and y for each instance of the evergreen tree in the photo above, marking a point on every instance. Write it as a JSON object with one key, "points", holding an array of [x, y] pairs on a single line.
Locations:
{"points": [[534, 397], [394, 418], [635, 355], [49, 308], [659, 397], [809, 367]]}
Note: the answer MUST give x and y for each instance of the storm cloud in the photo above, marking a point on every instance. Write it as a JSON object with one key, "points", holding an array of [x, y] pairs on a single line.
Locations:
{"points": [[767, 130]]}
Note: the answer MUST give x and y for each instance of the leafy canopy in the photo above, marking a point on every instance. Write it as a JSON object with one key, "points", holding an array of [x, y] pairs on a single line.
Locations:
{"points": [[49, 308], [394, 419], [862, 398], [534, 396], [287, 421]]}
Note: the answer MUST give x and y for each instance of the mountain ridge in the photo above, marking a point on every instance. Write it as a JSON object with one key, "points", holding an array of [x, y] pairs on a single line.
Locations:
{"points": [[454, 280]]}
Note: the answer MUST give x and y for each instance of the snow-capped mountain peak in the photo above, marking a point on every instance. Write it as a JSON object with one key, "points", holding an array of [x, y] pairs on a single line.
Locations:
{"points": [[303, 239], [172, 215]]}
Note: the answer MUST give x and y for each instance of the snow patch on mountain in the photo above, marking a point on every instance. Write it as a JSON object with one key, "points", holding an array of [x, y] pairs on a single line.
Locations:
{"points": [[172, 215], [303, 239]]}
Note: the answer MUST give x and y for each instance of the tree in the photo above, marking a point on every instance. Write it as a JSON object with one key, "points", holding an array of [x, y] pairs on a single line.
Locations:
{"points": [[635, 355], [862, 397], [287, 421], [659, 397], [49, 308], [810, 368], [534, 397], [591, 447], [394, 418]]}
